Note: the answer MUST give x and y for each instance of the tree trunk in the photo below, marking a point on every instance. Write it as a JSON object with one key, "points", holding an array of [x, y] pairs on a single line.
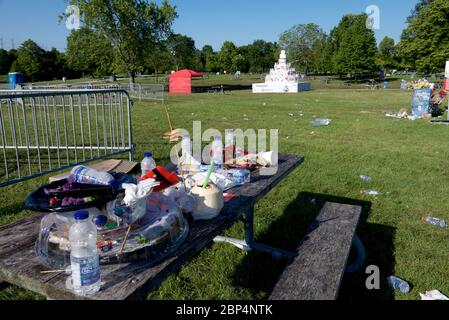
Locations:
{"points": [[132, 78]]}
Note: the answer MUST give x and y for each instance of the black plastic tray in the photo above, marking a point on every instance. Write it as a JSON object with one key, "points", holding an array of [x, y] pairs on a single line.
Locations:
{"points": [[39, 201]]}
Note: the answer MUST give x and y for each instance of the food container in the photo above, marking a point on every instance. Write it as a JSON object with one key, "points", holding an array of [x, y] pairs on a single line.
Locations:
{"points": [[210, 202]]}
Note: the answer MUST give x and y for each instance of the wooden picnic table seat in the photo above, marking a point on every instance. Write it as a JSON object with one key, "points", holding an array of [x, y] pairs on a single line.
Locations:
{"points": [[317, 271]]}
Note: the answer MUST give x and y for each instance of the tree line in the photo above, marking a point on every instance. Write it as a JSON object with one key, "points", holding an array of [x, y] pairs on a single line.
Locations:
{"points": [[135, 36]]}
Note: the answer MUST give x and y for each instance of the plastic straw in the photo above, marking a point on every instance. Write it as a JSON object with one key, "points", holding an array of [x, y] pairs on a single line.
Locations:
{"points": [[209, 172]]}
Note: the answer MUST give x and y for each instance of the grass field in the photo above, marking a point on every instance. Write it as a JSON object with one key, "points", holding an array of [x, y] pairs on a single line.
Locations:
{"points": [[405, 158]]}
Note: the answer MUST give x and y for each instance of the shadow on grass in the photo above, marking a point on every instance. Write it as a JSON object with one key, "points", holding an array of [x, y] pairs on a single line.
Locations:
{"points": [[11, 209], [259, 272]]}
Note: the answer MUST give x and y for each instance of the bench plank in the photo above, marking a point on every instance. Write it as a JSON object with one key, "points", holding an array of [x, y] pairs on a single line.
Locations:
{"points": [[317, 271]]}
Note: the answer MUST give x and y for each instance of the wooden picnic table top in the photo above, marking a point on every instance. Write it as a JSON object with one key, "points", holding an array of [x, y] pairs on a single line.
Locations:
{"points": [[20, 266]]}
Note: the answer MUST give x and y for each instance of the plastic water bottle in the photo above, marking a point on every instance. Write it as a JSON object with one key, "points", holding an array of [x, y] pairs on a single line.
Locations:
{"points": [[84, 256], [398, 284], [229, 145], [217, 151], [148, 164], [186, 146], [435, 221], [82, 174]]}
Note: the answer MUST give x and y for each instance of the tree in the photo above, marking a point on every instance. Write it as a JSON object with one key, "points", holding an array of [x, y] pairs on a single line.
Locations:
{"points": [[302, 43], [205, 52], [420, 6], [239, 63], [226, 55], [425, 41], [89, 53], [134, 27], [387, 53], [354, 46], [183, 51], [212, 62], [260, 55], [31, 62], [5, 62], [159, 60], [56, 64]]}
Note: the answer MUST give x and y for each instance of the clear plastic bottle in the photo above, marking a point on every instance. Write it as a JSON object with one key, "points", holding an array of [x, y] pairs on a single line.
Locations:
{"points": [[435, 221], [82, 174], [186, 146], [148, 164], [217, 151], [229, 145], [84, 256], [398, 284]]}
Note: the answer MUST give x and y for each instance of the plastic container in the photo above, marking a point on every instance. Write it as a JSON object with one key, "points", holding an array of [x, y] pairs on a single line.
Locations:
{"points": [[84, 256], [85, 175], [229, 145], [435, 221], [148, 164], [398, 284], [217, 152]]}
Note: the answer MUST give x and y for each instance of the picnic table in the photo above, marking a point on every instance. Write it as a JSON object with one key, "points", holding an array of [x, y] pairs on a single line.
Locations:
{"points": [[20, 266], [216, 89]]}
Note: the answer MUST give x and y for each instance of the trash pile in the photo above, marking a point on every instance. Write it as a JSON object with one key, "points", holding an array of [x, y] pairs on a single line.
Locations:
{"points": [[95, 217], [420, 84], [403, 114]]}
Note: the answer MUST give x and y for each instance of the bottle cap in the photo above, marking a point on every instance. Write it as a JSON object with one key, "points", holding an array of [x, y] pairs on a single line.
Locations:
{"points": [[148, 154], [81, 215], [100, 221]]}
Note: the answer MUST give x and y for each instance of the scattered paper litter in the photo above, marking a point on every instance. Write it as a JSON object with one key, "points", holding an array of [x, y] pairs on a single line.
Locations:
{"points": [[433, 295]]}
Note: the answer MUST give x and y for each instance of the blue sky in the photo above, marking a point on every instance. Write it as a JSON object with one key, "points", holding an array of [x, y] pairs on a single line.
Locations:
{"points": [[208, 21]]}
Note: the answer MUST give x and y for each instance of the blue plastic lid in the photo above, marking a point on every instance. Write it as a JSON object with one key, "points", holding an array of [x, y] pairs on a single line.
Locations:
{"points": [[148, 154], [81, 215], [100, 221]]}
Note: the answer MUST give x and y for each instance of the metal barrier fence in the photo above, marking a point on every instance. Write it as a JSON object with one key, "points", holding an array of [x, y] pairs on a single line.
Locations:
{"points": [[46, 131], [154, 92]]}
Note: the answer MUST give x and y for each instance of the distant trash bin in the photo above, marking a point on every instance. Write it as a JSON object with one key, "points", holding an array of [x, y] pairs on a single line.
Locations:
{"points": [[14, 79], [113, 78], [385, 84]]}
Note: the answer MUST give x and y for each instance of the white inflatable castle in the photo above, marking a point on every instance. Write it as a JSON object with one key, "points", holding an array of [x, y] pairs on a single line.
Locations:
{"points": [[282, 79]]}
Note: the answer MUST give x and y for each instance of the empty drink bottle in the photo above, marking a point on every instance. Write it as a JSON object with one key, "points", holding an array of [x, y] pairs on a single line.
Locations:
{"points": [[435, 221], [148, 164], [84, 256], [398, 284]]}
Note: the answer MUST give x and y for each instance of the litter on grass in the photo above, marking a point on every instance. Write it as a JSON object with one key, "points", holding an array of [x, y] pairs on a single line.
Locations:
{"points": [[365, 178], [372, 192], [433, 295], [434, 221], [321, 122], [402, 114]]}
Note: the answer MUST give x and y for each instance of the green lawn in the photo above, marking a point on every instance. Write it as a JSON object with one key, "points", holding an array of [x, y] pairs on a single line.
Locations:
{"points": [[406, 158]]}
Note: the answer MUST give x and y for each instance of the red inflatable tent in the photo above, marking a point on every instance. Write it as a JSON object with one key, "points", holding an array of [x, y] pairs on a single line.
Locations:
{"points": [[181, 81]]}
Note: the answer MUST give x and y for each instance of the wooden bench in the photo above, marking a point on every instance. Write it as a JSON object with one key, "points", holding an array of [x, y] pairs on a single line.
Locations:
{"points": [[316, 273]]}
